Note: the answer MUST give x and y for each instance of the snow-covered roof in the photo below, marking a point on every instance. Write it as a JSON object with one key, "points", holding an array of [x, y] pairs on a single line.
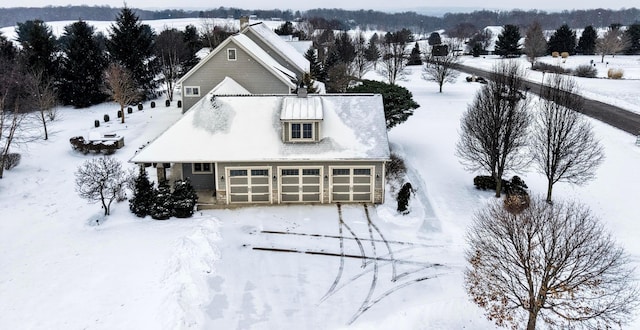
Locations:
{"points": [[248, 128], [251, 48], [301, 108], [228, 86], [280, 46]]}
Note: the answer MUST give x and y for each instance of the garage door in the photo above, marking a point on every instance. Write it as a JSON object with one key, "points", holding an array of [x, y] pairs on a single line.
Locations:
{"points": [[352, 184], [249, 185], [300, 184]]}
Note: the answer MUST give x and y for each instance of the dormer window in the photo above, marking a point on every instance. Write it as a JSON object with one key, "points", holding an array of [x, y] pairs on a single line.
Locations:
{"points": [[231, 54], [302, 132]]}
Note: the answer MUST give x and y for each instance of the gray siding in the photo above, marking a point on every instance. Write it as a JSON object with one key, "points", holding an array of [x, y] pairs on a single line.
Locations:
{"points": [[245, 70], [267, 48], [201, 181]]}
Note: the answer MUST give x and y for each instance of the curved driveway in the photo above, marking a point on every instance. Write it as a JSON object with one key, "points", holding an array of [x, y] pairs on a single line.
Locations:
{"points": [[617, 117]]}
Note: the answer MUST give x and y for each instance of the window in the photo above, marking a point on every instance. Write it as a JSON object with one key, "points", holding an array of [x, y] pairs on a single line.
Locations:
{"points": [[341, 171], [191, 91], [361, 171], [201, 168], [231, 54], [290, 172], [302, 131], [311, 171], [259, 172], [237, 172]]}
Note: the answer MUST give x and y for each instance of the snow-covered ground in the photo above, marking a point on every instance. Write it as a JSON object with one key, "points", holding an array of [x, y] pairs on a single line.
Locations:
{"points": [[61, 270], [624, 93]]}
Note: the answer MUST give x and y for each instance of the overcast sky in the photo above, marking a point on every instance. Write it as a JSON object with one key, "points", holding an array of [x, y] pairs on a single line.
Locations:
{"points": [[386, 5]]}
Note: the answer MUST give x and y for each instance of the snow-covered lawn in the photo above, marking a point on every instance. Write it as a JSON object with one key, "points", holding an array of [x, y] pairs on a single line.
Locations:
{"points": [[60, 270]]}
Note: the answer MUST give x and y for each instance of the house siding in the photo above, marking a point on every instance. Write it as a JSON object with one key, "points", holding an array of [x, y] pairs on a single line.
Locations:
{"points": [[200, 181], [281, 60], [245, 70], [220, 169]]}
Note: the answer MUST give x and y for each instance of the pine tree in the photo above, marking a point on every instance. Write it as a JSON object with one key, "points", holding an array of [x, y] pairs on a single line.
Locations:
{"points": [[632, 36], [434, 39], [82, 66], [39, 47], [163, 202], [7, 49], [372, 53], [587, 42], [563, 40], [415, 58], [184, 199], [404, 195], [131, 44], [508, 43], [143, 195], [194, 44], [314, 65]]}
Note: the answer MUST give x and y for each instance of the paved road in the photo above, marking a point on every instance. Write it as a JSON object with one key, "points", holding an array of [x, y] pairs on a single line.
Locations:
{"points": [[617, 117]]}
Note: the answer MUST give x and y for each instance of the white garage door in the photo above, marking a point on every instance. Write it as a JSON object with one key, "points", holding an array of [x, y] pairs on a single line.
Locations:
{"points": [[352, 184], [300, 184], [249, 185]]}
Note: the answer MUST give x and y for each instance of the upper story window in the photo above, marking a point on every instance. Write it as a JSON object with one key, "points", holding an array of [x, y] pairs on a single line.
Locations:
{"points": [[231, 54], [302, 131], [191, 91]]}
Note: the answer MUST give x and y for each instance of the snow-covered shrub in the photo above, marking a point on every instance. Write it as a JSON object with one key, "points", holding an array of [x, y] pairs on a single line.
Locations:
{"points": [[615, 73], [143, 195], [403, 198], [395, 170], [162, 204], [184, 199], [541, 66], [586, 71], [11, 160]]}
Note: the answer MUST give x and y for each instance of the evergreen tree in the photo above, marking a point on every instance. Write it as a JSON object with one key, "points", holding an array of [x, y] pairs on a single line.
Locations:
{"points": [[404, 195], [415, 58], [162, 202], [345, 48], [372, 53], [434, 39], [183, 199], [314, 65], [82, 66], [7, 50], [397, 101], [194, 44], [131, 44], [587, 41], [143, 195], [508, 43], [39, 47], [632, 36], [563, 40], [286, 29]]}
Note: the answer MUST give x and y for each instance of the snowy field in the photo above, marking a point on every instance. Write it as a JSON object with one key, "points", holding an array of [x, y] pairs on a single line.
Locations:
{"points": [[219, 270], [215, 271], [624, 93]]}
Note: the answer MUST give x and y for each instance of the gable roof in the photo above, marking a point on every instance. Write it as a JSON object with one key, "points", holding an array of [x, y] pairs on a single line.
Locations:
{"points": [[248, 128], [301, 108], [243, 42], [279, 46], [228, 86]]}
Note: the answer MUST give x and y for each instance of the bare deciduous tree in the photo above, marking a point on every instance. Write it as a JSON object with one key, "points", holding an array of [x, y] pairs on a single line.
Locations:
{"points": [[550, 262], [121, 86], [172, 51], [535, 44], [101, 180], [393, 60], [493, 130], [441, 69], [563, 144], [360, 63], [16, 126], [612, 42], [44, 98]]}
